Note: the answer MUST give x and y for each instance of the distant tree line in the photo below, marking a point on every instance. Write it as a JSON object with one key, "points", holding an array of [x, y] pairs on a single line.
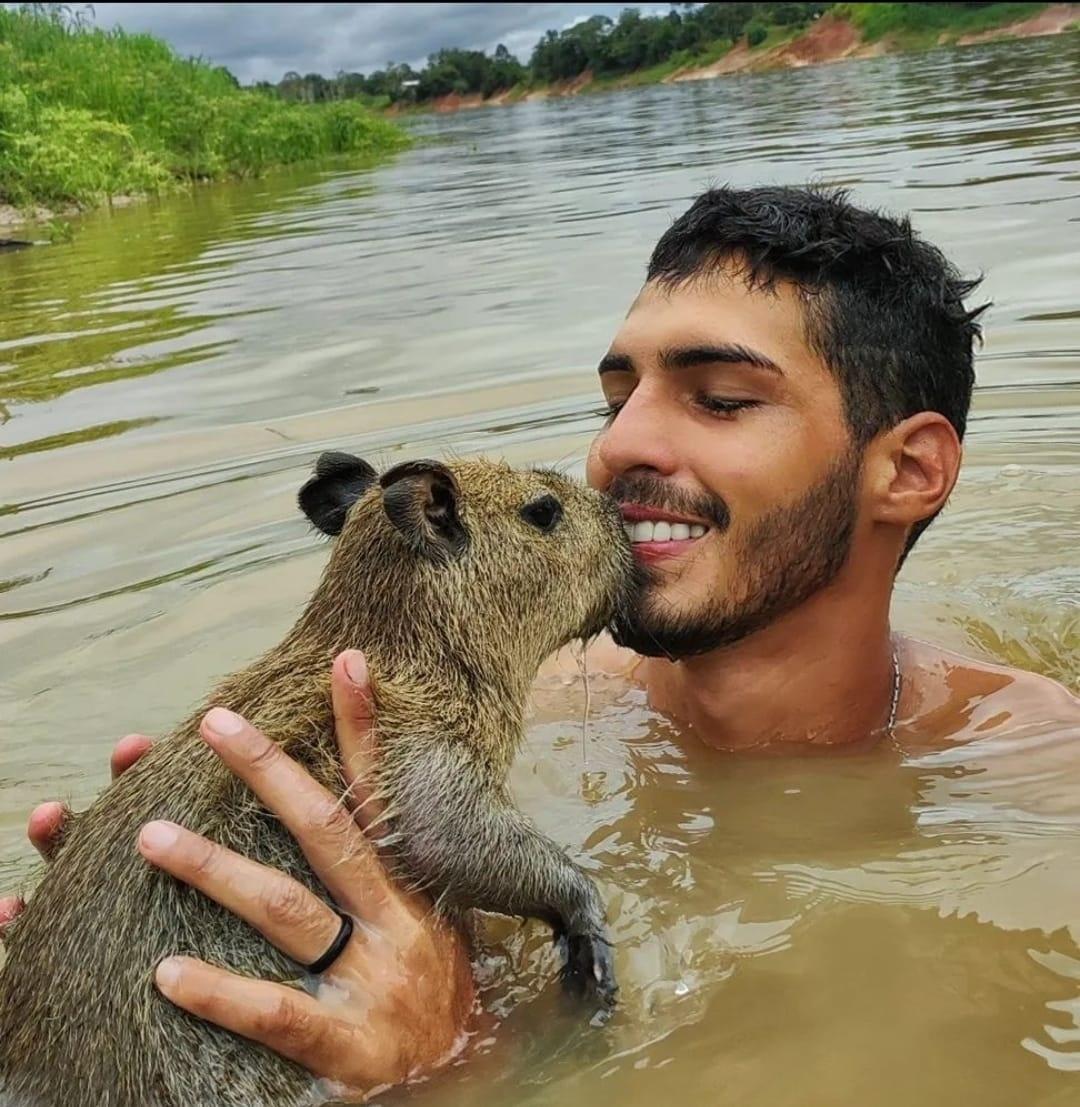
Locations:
{"points": [[604, 47], [460, 71], [635, 41], [600, 45]]}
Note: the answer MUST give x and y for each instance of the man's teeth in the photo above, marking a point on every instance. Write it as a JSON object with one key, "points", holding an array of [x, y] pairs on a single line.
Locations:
{"points": [[663, 532]]}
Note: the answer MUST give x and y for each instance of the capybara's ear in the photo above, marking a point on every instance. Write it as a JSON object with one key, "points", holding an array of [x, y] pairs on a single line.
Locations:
{"points": [[421, 499], [340, 480]]}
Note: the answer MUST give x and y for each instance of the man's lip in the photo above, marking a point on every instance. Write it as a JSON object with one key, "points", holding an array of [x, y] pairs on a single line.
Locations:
{"points": [[636, 513], [661, 551]]}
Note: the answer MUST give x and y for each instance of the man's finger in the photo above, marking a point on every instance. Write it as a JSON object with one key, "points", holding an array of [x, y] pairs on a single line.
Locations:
{"points": [[10, 907], [342, 857], [288, 1021], [289, 916], [46, 827], [127, 751], [354, 718]]}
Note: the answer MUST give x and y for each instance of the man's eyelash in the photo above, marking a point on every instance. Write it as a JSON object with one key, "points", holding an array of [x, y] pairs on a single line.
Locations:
{"points": [[721, 406], [714, 404]]}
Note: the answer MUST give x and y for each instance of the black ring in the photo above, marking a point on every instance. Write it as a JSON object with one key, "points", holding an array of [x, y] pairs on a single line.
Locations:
{"points": [[321, 964]]}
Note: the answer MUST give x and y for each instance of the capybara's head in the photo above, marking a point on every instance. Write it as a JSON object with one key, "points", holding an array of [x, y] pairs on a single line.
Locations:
{"points": [[475, 557]]}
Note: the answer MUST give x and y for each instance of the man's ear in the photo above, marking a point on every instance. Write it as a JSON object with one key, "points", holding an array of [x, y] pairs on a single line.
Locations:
{"points": [[339, 481], [421, 499], [915, 466]]}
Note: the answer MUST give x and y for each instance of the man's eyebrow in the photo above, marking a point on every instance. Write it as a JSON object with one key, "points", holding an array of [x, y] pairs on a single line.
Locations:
{"points": [[616, 363], [730, 353]]}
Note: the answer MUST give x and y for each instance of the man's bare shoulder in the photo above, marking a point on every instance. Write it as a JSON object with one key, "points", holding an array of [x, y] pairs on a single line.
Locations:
{"points": [[602, 658], [953, 697]]}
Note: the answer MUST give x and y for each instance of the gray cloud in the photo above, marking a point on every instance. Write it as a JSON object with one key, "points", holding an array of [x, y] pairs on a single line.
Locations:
{"points": [[263, 41]]}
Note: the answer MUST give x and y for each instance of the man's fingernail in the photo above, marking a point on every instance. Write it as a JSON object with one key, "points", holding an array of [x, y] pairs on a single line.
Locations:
{"points": [[356, 667], [159, 836], [10, 906], [223, 722], [168, 973]]}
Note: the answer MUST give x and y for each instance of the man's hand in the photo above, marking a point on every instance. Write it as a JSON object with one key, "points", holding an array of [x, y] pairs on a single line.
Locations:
{"points": [[46, 824], [396, 1001]]}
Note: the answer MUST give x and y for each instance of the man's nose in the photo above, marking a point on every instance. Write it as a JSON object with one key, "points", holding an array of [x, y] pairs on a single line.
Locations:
{"points": [[639, 437]]}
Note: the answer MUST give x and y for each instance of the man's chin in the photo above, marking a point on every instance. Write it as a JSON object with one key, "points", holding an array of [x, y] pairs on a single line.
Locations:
{"points": [[680, 636], [651, 639]]}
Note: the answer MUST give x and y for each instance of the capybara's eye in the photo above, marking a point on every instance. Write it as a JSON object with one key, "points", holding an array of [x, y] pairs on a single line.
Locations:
{"points": [[544, 513]]}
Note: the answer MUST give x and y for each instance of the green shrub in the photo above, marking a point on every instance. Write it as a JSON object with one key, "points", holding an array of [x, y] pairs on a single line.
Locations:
{"points": [[929, 20], [756, 33], [71, 154], [86, 113]]}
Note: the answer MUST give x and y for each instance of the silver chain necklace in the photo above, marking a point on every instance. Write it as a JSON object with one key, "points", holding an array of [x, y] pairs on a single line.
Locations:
{"points": [[894, 706], [895, 703]]}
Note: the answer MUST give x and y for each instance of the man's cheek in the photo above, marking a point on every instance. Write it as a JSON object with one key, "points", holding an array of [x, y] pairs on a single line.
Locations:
{"points": [[597, 474]]}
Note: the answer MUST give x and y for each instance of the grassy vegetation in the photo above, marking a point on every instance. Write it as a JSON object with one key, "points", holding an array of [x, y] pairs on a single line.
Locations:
{"points": [[686, 59], [86, 113], [654, 74], [914, 25]]}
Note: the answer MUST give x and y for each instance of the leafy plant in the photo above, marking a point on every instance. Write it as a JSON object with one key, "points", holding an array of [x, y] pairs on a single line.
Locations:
{"points": [[86, 114]]}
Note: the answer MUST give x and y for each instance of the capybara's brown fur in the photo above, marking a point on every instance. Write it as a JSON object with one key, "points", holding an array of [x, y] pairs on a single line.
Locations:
{"points": [[457, 581]]}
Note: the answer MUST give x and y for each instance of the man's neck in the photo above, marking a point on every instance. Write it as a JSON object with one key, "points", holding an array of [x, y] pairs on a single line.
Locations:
{"points": [[820, 676]]}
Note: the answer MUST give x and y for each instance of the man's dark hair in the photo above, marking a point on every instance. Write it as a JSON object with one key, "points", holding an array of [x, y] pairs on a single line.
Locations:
{"points": [[883, 309]]}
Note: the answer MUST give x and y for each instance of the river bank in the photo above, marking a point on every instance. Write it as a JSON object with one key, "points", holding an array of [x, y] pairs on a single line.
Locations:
{"points": [[91, 118], [73, 137], [836, 36]]}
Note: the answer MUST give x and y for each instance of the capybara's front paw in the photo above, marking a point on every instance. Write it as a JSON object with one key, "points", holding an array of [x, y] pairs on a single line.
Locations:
{"points": [[589, 967]]}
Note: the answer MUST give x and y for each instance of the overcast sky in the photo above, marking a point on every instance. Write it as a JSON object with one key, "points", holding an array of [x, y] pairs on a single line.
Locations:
{"points": [[264, 41]]}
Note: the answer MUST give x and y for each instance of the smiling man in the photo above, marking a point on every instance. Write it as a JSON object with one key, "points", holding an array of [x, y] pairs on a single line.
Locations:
{"points": [[787, 397], [795, 376]]}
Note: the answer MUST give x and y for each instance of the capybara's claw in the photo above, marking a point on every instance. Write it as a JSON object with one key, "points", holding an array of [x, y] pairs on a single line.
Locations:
{"points": [[589, 967]]}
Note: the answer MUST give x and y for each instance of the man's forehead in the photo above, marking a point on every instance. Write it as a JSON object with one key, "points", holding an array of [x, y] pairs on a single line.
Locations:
{"points": [[715, 309]]}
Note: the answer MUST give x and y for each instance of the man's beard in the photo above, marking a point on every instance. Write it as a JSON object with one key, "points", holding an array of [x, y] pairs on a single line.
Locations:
{"points": [[787, 556]]}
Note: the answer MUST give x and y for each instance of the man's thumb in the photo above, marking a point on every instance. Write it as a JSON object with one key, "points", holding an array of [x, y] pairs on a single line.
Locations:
{"points": [[354, 717]]}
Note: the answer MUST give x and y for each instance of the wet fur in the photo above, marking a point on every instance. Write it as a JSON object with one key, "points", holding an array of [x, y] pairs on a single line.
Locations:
{"points": [[453, 637]]}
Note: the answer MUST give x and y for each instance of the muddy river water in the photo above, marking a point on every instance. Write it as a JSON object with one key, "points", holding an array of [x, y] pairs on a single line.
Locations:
{"points": [[829, 931]]}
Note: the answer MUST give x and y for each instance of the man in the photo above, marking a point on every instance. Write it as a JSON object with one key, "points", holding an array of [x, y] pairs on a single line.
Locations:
{"points": [[787, 397]]}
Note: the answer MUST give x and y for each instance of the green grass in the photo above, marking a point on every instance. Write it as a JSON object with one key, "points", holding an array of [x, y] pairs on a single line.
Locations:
{"points": [[917, 25], [86, 114], [654, 74], [518, 92], [688, 59], [777, 36]]}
